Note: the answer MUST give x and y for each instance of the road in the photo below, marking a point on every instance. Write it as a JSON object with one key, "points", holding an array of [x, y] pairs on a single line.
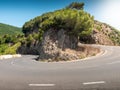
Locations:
{"points": [[101, 72]]}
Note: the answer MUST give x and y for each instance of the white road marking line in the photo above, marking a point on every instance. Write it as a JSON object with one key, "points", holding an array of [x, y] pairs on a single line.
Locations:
{"points": [[97, 82], [41, 85], [114, 62]]}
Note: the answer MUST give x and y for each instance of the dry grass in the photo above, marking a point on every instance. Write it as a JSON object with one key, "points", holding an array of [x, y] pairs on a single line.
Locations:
{"points": [[87, 51], [82, 51]]}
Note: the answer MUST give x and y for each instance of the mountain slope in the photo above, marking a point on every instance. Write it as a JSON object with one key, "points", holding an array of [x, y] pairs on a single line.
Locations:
{"points": [[8, 29]]}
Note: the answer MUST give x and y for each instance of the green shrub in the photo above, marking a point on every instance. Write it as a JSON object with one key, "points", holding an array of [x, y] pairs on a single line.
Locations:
{"points": [[3, 47], [12, 49]]}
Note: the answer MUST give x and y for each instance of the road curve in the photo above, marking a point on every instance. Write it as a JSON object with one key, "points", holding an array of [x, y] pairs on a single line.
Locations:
{"points": [[101, 72]]}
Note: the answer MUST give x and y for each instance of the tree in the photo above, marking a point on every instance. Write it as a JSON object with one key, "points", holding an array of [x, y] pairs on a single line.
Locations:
{"points": [[76, 5]]}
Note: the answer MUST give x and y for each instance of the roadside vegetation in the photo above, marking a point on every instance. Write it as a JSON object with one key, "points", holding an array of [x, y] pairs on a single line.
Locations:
{"points": [[10, 43], [10, 37]]}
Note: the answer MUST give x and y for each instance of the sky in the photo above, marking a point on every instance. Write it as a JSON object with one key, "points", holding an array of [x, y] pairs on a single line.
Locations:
{"points": [[17, 12]]}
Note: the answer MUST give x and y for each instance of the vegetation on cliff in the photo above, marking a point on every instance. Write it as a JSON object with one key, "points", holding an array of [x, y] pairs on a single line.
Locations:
{"points": [[73, 19]]}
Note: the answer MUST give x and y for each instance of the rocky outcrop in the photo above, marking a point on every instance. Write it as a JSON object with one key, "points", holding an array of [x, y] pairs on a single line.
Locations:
{"points": [[54, 42], [53, 46]]}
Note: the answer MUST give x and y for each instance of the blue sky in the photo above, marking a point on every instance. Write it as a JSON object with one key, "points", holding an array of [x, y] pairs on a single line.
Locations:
{"points": [[17, 12]]}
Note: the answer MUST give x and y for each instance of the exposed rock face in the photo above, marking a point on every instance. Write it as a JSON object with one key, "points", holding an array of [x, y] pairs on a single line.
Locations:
{"points": [[58, 45], [100, 38], [54, 42]]}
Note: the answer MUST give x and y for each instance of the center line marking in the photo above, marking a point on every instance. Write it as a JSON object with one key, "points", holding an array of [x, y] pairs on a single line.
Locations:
{"points": [[97, 82], [41, 85]]}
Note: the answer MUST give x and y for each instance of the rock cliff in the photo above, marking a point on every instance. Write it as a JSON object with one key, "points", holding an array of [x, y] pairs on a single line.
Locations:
{"points": [[55, 41]]}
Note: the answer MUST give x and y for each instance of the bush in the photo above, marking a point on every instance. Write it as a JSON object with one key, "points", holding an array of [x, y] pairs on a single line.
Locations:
{"points": [[12, 49], [3, 47]]}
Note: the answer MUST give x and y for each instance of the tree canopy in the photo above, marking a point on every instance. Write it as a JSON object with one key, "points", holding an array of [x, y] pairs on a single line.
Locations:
{"points": [[76, 5], [73, 19]]}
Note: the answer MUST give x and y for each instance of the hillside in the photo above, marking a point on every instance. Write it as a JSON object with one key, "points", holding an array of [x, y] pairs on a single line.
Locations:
{"points": [[8, 29], [103, 34], [112, 35]]}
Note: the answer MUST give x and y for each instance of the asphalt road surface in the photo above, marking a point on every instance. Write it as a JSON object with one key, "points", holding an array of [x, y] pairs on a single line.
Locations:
{"points": [[101, 72]]}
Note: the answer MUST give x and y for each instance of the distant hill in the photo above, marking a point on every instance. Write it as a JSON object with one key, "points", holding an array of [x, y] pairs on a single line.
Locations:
{"points": [[8, 29]]}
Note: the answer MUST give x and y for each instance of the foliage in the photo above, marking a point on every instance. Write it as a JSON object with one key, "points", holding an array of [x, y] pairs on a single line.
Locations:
{"points": [[40, 34], [10, 38], [10, 43], [9, 49], [76, 5], [115, 36], [12, 49], [3, 47], [75, 22]]}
